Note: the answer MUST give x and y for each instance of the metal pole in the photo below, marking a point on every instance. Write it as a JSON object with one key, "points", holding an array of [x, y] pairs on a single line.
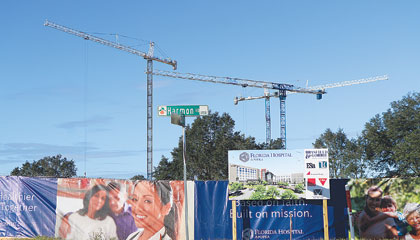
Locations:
{"points": [[185, 183], [282, 97], [267, 116], [149, 119]]}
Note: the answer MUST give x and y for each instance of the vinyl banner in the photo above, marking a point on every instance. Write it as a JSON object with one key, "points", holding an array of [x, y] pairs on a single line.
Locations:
{"points": [[27, 206], [386, 208], [119, 209], [82, 209], [267, 219]]}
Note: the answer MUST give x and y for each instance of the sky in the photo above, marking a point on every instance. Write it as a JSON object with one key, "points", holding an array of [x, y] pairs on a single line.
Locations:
{"points": [[61, 94]]}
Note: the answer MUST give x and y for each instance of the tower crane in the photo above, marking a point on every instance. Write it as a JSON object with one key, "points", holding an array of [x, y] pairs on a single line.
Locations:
{"points": [[267, 97], [149, 58], [281, 89]]}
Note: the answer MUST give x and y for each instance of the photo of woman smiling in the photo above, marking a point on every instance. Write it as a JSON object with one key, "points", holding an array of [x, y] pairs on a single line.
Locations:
{"points": [[153, 211]]}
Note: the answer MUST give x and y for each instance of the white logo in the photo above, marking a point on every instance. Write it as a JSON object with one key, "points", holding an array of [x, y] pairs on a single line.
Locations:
{"points": [[244, 157], [247, 234]]}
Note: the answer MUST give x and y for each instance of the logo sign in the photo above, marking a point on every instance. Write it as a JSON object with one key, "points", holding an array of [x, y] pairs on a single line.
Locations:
{"points": [[322, 180], [247, 234], [186, 110], [311, 182], [316, 153], [244, 157], [317, 191], [310, 165], [317, 167], [323, 164]]}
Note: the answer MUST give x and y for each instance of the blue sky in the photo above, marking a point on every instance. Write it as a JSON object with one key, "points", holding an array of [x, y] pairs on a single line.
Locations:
{"points": [[61, 94]]}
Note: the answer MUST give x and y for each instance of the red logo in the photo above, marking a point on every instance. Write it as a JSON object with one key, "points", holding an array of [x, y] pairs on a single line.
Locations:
{"points": [[311, 182], [322, 180], [309, 173]]}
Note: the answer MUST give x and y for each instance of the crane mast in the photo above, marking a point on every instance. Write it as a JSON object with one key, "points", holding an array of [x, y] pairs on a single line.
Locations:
{"points": [[149, 58], [267, 97], [282, 88]]}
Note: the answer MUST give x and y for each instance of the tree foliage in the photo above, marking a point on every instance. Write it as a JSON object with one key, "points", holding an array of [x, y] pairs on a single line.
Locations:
{"points": [[138, 177], [402, 190], [345, 155], [208, 140], [392, 139], [55, 166], [288, 194], [389, 145]]}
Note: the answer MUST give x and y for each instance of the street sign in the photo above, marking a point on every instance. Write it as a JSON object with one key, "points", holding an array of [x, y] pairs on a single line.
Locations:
{"points": [[186, 110]]}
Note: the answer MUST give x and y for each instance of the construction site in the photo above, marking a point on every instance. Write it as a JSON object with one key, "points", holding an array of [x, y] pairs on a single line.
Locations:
{"points": [[232, 121]]}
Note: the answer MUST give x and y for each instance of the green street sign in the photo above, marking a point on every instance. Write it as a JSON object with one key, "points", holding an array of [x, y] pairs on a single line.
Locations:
{"points": [[186, 110]]}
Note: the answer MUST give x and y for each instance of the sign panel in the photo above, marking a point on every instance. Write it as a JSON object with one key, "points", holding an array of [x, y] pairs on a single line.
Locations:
{"points": [[187, 110], [278, 174], [317, 174]]}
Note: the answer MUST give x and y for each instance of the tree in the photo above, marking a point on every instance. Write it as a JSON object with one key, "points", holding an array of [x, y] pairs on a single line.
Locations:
{"points": [[299, 188], [392, 139], [235, 186], [167, 170], [345, 156], [137, 177], [208, 140], [55, 166], [288, 194]]}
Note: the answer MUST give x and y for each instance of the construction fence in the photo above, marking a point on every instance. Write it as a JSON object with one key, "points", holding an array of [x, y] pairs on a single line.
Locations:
{"points": [[82, 208]]}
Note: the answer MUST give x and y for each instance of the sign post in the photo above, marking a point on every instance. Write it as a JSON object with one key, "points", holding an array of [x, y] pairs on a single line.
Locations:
{"points": [[180, 121], [178, 114]]}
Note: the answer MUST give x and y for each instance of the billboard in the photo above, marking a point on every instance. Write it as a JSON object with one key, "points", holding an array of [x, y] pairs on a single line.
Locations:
{"points": [[278, 174]]}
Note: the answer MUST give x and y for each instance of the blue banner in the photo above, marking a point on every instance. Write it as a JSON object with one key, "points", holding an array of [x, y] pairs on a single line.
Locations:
{"points": [[267, 219], [27, 206]]}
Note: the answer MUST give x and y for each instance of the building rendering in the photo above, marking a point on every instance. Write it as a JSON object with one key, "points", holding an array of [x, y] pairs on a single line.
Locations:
{"points": [[240, 173]]}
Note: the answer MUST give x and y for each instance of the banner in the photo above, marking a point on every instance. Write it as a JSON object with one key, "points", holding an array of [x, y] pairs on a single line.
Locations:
{"points": [[386, 208], [81, 208], [267, 219], [27, 206], [119, 209]]}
